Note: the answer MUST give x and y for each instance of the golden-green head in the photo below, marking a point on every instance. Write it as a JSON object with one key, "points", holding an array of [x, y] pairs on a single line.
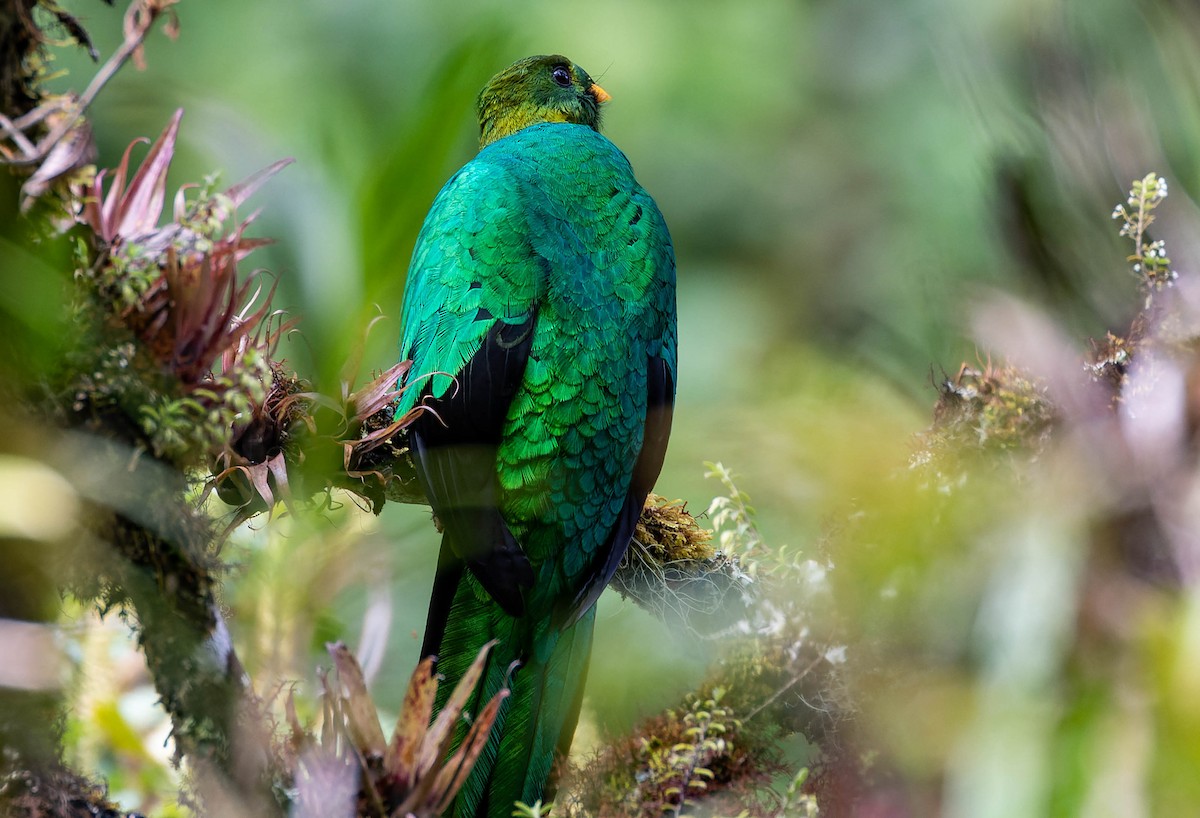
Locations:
{"points": [[546, 88]]}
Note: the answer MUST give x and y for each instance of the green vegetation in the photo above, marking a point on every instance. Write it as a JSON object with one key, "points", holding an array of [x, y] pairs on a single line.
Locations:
{"points": [[970, 598]]}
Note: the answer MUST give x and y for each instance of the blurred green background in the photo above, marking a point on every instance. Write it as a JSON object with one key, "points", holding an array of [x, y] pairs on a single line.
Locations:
{"points": [[842, 180]]}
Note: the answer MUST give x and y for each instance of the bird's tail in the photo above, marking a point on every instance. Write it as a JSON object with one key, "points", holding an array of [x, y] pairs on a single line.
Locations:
{"points": [[535, 725]]}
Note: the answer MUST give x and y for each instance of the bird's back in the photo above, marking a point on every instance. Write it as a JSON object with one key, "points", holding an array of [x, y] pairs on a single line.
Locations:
{"points": [[546, 233]]}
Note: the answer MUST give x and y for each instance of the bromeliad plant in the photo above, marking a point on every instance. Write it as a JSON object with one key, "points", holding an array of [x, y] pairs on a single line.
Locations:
{"points": [[197, 341], [197, 376], [415, 774], [173, 375]]}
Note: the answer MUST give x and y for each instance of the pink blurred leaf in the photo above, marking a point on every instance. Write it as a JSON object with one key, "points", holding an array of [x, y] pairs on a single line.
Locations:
{"points": [[70, 153], [258, 477], [139, 209], [246, 188], [278, 468], [378, 393]]}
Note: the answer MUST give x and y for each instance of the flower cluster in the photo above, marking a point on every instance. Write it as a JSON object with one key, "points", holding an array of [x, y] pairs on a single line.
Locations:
{"points": [[1149, 258], [202, 339]]}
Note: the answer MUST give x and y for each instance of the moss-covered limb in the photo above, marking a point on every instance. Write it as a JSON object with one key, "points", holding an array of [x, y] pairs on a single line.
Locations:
{"points": [[49, 790], [673, 570], [765, 689], [721, 744], [777, 677], [151, 556], [33, 780], [157, 310]]}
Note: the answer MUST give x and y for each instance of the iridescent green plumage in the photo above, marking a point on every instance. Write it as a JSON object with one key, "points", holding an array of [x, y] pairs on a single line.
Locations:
{"points": [[539, 314]]}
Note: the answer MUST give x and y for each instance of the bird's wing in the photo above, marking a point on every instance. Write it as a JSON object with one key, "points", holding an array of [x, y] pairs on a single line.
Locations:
{"points": [[643, 252], [470, 305], [659, 408]]}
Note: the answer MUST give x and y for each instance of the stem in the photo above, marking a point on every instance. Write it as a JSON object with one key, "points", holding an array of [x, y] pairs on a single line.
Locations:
{"points": [[14, 133], [792, 683], [159, 564], [114, 63]]}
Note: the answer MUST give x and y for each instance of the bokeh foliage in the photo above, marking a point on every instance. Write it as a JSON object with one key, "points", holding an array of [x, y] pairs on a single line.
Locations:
{"points": [[844, 182]]}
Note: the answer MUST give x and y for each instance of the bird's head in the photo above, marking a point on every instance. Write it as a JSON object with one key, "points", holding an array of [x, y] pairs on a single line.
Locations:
{"points": [[546, 88]]}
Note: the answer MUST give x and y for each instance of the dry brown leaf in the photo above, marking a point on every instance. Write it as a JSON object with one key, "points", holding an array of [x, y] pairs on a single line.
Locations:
{"points": [[361, 718], [413, 721]]}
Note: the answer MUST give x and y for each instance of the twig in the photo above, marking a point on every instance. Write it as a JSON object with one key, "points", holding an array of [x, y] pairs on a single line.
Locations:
{"points": [[15, 134], [35, 154], [792, 683]]}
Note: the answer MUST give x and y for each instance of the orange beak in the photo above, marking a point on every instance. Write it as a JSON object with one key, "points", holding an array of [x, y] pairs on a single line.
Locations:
{"points": [[599, 93]]}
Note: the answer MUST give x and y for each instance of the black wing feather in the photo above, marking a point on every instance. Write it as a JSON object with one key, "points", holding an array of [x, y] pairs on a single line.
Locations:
{"points": [[455, 448]]}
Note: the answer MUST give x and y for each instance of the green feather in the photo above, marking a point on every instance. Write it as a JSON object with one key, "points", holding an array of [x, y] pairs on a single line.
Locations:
{"points": [[546, 223]]}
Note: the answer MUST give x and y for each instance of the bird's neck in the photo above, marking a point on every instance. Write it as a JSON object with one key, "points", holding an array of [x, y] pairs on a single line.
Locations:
{"points": [[497, 124]]}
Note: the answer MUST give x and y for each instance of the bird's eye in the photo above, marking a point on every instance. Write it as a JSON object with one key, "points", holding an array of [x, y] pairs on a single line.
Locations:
{"points": [[561, 75]]}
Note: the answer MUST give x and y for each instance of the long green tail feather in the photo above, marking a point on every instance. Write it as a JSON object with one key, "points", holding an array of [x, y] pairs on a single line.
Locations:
{"points": [[538, 719], [543, 712]]}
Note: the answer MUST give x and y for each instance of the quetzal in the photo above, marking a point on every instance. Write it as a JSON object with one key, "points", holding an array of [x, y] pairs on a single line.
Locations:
{"points": [[539, 316]]}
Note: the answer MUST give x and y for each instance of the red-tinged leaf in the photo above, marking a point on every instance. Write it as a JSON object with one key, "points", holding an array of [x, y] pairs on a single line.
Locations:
{"points": [[420, 798], [454, 773], [202, 297], [154, 303], [208, 327], [187, 282], [246, 188], [74, 150], [258, 478], [234, 353], [420, 408], [412, 723], [278, 468], [360, 713], [116, 192], [378, 393], [245, 247], [180, 208], [273, 327], [141, 207], [245, 315], [437, 740], [208, 332]]}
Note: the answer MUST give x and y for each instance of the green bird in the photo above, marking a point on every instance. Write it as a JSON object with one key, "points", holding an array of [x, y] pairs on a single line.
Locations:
{"points": [[539, 316]]}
